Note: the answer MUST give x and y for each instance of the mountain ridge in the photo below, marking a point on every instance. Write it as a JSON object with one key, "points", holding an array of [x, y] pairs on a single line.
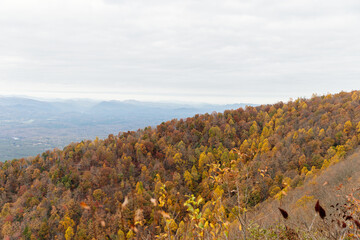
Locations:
{"points": [[33, 122], [193, 178]]}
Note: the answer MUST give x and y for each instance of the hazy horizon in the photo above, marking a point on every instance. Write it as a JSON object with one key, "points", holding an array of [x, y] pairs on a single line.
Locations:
{"points": [[91, 96], [118, 99]]}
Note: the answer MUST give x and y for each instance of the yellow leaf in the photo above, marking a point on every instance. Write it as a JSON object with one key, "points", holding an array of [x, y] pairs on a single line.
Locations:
{"points": [[206, 224], [240, 228]]}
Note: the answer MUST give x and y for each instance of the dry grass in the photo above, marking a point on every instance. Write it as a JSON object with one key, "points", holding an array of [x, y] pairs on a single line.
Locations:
{"points": [[334, 218]]}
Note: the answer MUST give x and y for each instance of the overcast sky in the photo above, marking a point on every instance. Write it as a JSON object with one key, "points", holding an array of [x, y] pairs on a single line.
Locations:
{"points": [[224, 51]]}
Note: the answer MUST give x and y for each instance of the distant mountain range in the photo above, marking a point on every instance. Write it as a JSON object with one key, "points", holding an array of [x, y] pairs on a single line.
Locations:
{"points": [[27, 124]]}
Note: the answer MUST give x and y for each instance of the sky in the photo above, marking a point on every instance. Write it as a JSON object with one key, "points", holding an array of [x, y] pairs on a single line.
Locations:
{"points": [[228, 51]]}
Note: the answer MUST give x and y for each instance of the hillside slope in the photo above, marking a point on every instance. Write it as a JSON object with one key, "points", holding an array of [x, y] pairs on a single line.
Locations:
{"points": [[336, 187], [188, 178], [29, 127]]}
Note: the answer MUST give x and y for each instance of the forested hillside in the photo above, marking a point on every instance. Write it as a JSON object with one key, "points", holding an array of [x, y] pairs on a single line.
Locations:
{"points": [[29, 126], [193, 178]]}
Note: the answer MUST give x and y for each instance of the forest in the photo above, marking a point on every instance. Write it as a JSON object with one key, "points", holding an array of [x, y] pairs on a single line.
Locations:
{"points": [[29, 126], [210, 176]]}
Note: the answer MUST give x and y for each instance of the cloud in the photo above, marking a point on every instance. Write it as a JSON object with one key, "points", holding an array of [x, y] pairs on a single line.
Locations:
{"points": [[277, 49]]}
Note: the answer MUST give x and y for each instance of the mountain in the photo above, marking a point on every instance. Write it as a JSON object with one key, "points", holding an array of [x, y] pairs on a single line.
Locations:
{"points": [[29, 127], [210, 176]]}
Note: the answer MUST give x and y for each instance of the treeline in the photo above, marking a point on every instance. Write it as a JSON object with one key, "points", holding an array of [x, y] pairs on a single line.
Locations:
{"points": [[185, 179]]}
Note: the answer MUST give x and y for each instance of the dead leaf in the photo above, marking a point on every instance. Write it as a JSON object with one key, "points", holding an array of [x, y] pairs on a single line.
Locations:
{"points": [[153, 201], [84, 206], [126, 201], [164, 214]]}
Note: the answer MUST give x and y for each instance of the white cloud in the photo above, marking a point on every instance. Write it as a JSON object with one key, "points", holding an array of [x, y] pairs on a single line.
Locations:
{"points": [[239, 50]]}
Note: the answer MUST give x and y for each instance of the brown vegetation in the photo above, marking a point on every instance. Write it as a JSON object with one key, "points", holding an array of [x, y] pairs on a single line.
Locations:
{"points": [[197, 178]]}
